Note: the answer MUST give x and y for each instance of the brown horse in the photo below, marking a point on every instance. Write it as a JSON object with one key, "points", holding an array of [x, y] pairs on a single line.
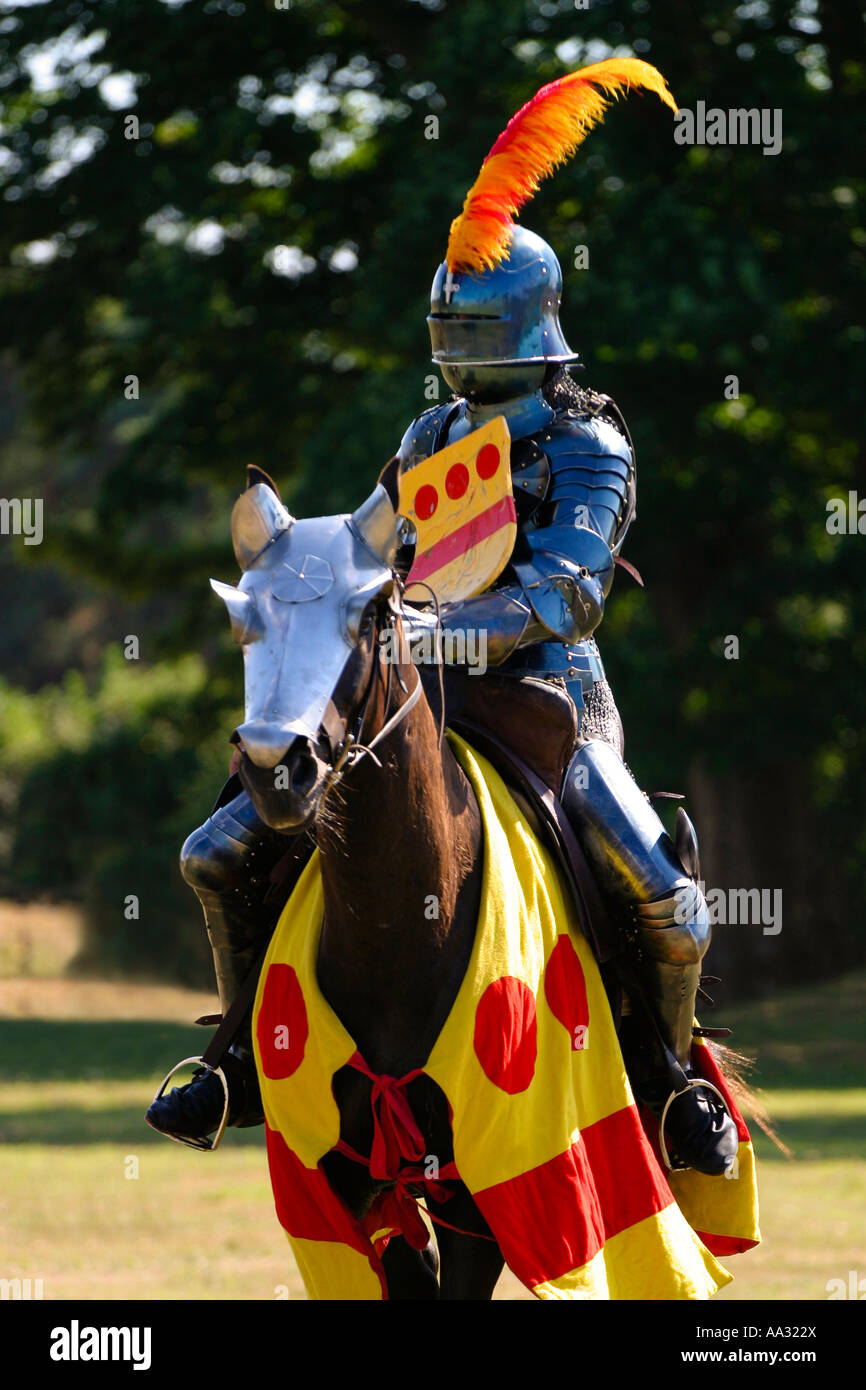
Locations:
{"points": [[396, 828]]}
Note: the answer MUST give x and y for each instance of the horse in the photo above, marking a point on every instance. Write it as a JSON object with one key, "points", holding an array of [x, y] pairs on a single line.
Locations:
{"points": [[392, 988], [339, 736]]}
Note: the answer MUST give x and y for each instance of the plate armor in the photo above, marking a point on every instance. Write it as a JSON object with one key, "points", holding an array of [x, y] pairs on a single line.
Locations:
{"points": [[573, 477]]}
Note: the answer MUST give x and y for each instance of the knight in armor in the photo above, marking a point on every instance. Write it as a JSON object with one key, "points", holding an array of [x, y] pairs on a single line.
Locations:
{"points": [[496, 337]]}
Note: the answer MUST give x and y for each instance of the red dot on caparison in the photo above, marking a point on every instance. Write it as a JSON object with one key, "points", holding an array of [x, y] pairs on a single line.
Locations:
{"points": [[565, 988], [456, 480], [487, 461], [506, 1034], [426, 502], [282, 1027]]}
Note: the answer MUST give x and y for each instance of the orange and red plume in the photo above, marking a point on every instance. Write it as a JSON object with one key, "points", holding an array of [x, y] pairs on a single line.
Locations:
{"points": [[544, 133]]}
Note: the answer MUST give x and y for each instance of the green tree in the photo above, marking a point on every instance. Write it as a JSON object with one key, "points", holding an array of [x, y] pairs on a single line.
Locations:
{"points": [[256, 253]]}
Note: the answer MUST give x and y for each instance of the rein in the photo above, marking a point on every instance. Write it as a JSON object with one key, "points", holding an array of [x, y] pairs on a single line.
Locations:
{"points": [[345, 744]]}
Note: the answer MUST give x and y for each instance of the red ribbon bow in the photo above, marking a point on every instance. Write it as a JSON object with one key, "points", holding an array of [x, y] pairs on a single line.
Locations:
{"points": [[396, 1136], [395, 1133]]}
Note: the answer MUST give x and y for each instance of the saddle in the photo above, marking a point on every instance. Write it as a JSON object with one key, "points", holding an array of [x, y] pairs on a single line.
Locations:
{"points": [[528, 729], [535, 720]]}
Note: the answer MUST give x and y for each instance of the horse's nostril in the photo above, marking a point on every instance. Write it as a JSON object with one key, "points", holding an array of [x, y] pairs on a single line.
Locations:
{"points": [[302, 769]]}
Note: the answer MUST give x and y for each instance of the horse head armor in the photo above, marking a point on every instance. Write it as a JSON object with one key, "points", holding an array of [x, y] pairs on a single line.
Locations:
{"points": [[299, 608]]}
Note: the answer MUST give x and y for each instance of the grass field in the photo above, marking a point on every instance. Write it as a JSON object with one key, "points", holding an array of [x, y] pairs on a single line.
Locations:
{"points": [[97, 1205]]}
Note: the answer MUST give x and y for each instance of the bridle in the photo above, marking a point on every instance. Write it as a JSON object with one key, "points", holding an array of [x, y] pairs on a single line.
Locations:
{"points": [[344, 743]]}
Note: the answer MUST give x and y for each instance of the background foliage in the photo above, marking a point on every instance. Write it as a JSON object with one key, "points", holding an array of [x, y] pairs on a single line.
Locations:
{"points": [[259, 258]]}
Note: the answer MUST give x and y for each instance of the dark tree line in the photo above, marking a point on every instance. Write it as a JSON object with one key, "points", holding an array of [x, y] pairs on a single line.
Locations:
{"points": [[240, 274]]}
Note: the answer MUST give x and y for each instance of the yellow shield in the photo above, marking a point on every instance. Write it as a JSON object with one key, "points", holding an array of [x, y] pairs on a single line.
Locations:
{"points": [[461, 504]]}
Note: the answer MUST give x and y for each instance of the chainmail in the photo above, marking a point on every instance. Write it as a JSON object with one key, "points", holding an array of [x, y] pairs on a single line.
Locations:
{"points": [[563, 393], [600, 718]]}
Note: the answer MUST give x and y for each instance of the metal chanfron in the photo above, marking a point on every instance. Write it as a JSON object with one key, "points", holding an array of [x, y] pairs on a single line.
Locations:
{"points": [[258, 519], [308, 587]]}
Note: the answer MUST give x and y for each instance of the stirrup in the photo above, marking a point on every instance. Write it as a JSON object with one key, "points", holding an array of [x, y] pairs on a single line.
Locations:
{"points": [[204, 1145], [693, 1084]]}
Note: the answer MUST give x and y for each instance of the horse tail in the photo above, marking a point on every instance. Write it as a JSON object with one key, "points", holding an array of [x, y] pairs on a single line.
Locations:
{"points": [[735, 1068]]}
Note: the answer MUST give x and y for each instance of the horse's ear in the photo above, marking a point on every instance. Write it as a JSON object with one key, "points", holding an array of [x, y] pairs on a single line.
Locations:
{"points": [[257, 475], [258, 518], [375, 521], [390, 480]]}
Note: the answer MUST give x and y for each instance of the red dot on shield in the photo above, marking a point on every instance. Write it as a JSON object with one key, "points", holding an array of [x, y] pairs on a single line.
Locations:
{"points": [[426, 502], [456, 480], [487, 461]]}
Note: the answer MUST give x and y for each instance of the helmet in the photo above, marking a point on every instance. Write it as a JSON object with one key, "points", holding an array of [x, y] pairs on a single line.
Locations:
{"points": [[494, 321], [500, 327]]}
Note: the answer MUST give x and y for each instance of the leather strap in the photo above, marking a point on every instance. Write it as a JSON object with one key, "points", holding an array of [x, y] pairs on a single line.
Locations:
{"points": [[629, 569], [230, 1022], [234, 1015], [334, 726]]}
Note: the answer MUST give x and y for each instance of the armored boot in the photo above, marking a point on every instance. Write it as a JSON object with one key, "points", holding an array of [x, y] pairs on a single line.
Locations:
{"points": [[242, 873], [651, 886]]}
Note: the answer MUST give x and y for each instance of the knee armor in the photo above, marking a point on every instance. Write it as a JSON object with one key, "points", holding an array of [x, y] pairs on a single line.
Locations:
{"points": [[649, 880], [228, 862]]}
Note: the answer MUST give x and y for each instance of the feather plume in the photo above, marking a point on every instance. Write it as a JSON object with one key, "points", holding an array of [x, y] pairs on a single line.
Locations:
{"points": [[542, 135]]}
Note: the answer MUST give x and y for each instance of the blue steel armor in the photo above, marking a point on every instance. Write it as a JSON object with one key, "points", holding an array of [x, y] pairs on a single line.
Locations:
{"points": [[497, 338], [573, 475]]}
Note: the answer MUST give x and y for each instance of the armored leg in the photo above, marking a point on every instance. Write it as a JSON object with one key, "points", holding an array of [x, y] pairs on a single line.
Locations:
{"points": [[228, 862], [650, 884]]}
